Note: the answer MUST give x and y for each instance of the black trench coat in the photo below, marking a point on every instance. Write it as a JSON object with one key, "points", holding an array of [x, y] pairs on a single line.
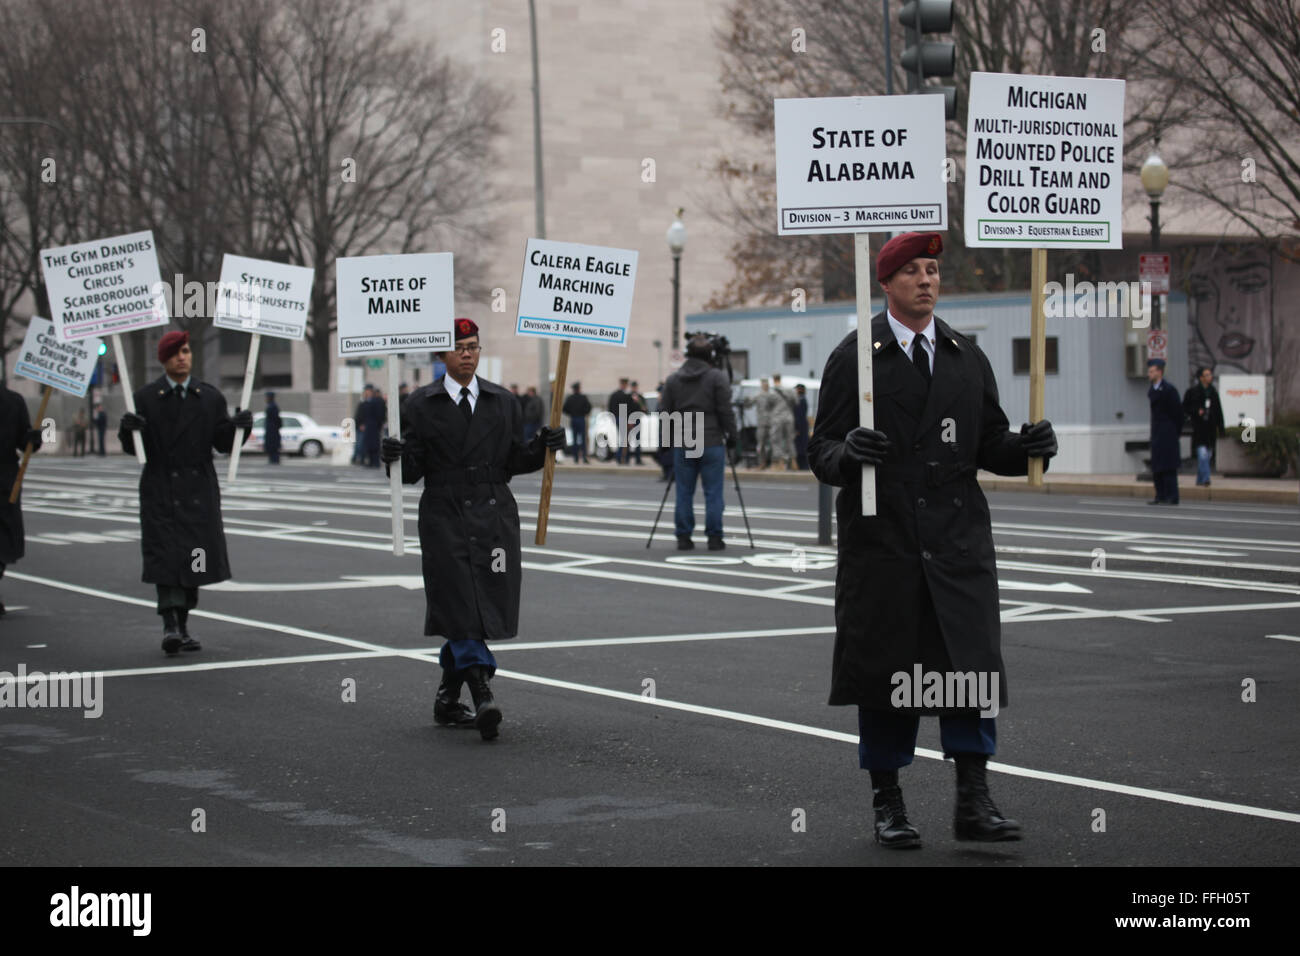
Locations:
{"points": [[180, 500], [15, 421], [931, 532], [469, 521], [1166, 427]]}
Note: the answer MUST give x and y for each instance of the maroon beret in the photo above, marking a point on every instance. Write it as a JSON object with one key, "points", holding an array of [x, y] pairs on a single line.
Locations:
{"points": [[901, 250], [170, 344], [465, 328]]}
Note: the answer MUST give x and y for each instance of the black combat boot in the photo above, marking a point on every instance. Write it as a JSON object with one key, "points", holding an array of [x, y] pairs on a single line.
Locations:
{"points": [[447, 708], [487, 714], [977, 817], [188, 643], [171, 631], [892, 828]]}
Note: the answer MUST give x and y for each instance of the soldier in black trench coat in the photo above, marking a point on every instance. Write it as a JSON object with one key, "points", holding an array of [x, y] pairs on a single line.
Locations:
{"points": [[464, 437], [15, 432], [917, 584], [1166, 429], [181, 535]]}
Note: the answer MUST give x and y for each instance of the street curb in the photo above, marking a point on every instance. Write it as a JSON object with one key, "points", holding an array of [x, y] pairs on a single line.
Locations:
{"points": [[1287, 495]]}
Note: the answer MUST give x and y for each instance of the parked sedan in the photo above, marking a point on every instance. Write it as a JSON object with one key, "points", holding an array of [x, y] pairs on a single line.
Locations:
{"points": [[299, 435]]}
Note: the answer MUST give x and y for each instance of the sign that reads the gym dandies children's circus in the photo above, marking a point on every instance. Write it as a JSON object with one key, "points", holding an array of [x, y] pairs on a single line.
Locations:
{"points": [[860, 164], [1044, 162]]}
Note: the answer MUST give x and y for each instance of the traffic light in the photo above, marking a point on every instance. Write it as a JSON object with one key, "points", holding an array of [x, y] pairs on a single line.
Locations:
{"points": [[103, 348], [921, 57]]}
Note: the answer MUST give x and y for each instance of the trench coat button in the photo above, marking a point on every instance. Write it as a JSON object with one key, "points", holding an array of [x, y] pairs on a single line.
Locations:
{"points": [[472, 538], [468, 502], [176, 474], [926, 555], [492, 501], [957, 502], [920, 502], [916, 447]]}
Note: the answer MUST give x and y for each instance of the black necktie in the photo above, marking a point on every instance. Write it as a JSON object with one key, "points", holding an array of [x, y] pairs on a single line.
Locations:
{"points": [[464, 404], [921, 360], [180, 390]]}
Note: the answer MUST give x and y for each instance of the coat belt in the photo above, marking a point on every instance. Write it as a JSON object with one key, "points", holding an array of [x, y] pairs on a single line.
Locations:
{"points": [[929, 473], [474, 475]]}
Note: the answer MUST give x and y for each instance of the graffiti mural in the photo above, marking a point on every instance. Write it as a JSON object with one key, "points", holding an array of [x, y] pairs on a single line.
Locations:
{"points": [[1229, 308]]}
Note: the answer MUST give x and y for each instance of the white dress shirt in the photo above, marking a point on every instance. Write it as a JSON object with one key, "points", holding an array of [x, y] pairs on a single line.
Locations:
{"points": [[904, 335], [453, 388]]}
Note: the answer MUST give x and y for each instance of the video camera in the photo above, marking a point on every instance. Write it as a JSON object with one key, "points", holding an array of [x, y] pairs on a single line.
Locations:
{"points": [[719, 351]]}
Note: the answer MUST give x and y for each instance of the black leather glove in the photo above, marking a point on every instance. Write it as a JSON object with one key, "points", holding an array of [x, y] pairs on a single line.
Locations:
{"points": [[33, 438], [243, 418], [133, 422], [867, 446], [552, 438], [390, 450], [1039, 441]]}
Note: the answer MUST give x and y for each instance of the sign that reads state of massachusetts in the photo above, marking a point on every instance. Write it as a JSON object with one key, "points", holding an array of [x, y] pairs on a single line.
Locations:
{"points": [[395, 303], [1044, 161], [572, 291], [105, 286], [860, 164], [268, 298], [48, 359]]}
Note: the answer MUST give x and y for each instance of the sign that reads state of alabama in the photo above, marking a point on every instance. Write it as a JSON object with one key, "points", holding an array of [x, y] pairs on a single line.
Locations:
{"points": [[572, 291], [267, 298], [395, 303], [105, 286], [860, 164], [1044, 161]]}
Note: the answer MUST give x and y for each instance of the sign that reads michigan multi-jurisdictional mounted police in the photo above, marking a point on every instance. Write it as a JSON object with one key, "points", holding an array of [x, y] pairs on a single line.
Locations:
{"points": [[395, 303], [48, 359], [860, 164], [266, 298], [1044, 161], [572, 291], [104, 286]]}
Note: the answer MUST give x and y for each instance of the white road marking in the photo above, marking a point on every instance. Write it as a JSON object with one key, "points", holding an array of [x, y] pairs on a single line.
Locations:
{"points": [[1282, 637], [409, 581], [752, 719]]}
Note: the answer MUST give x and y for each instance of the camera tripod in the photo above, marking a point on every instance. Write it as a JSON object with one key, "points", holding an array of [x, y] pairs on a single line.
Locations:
{"points": [[672, 477]]}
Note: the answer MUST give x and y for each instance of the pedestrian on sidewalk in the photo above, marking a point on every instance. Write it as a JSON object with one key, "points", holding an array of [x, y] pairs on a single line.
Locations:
{"points": [[1166, 427], [578, 406], [1201, 404]]}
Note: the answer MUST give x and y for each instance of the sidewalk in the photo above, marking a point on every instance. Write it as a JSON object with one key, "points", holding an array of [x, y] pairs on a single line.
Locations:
{"points": [[1285, 491]]}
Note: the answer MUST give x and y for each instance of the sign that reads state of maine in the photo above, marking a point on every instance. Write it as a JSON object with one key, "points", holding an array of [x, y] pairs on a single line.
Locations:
{"points": [[266, 298], [572, 291], [48, 359], [105, 286], [860, 164], [1044, 161], [395, 303]]}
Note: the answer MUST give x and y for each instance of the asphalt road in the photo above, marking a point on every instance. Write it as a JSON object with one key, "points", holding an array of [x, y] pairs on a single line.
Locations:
{"points": [[659, 708]]}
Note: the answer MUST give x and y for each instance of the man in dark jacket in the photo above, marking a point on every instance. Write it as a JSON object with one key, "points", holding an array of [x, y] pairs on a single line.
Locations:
{"points": [[16, 432], [620, 405], [1201, 405], [916, 590], [375, 413], [271, 430], [101, 427], [532, 409], [801, 427], [181, 535], [464, 437], [1166, 427], [578, 406], [697, 421]]}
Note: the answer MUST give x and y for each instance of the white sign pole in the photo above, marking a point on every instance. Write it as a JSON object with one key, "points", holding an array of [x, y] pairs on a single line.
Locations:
{"points": [[138, 438], [866, 410], [395, 470], [245, 397]]}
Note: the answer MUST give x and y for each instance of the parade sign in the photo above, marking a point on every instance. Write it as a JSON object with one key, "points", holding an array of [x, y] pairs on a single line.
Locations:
{"points": [[395, 304], [576, 292], [266, 298], [44, 357], [860, 164], [1044, 161], [105, 286]]}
